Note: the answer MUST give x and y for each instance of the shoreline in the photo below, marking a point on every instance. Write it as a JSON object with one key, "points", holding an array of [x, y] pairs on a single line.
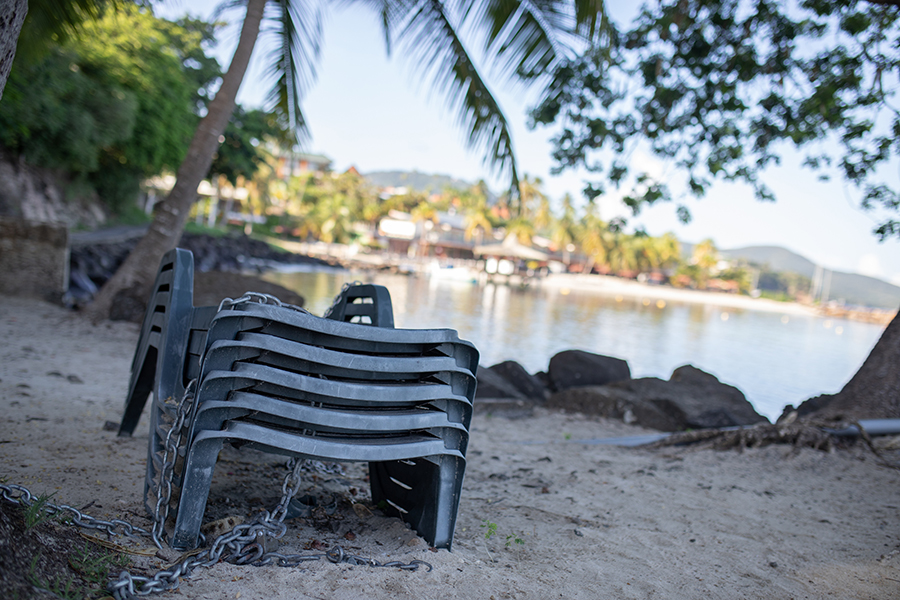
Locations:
{"points": [[595, 521], [615, 286], [601, 284]]}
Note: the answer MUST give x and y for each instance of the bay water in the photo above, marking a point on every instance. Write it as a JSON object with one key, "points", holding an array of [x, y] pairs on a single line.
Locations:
{"points": [[774, 358]]}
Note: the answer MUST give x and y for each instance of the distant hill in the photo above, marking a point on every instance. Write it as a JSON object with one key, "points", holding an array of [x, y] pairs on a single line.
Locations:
{"points": [[420, 182], [852, 288], [775, 257]]}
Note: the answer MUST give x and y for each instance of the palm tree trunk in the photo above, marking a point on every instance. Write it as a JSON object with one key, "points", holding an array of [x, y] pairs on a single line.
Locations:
{"points": [[124, 296], [12, 15]]}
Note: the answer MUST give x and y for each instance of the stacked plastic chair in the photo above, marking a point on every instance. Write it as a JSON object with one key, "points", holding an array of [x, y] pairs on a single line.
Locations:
{"points": [[284, 381]]}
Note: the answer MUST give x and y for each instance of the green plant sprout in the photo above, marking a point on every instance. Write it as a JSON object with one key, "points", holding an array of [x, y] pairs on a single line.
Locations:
{"points": [[37, 512], [491, 529]]}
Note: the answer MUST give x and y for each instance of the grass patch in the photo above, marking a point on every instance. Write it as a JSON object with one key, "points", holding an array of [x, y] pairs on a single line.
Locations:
{"points": [[51, 559]]}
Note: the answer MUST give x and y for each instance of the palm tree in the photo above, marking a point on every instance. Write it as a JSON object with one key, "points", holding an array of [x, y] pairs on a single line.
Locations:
{"points": [[565, 228], [705, 255], [530, 196], [522, 228], [668, 250], [594, 238], [477, 214], [524, 39]]}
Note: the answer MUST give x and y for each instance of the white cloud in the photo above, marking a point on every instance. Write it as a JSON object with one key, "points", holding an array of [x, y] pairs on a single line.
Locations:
{"points": [[870, 265], [643, 162]]}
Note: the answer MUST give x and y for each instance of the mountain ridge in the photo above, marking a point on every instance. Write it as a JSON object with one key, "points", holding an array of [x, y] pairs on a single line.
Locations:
{"points": [[852, 288]]}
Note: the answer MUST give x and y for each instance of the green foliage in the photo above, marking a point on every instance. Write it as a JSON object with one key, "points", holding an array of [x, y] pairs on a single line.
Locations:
{"points": [[37, 513], [94, 564], [326, 206], [512, 539], [782, 285], [61, 586], [720, 87], [56, 20], [740, 276], [58, 116], [243, 151], [490, 529], [111, 105]]}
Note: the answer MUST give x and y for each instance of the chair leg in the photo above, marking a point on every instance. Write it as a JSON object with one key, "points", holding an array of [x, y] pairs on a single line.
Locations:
{"points": [[140, 389], [424, 492], [198, 472]]}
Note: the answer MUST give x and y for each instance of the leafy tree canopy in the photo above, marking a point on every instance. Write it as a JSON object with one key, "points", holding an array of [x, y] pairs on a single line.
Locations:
{"points": [[112, 104], [721, 87], [244, 148]]}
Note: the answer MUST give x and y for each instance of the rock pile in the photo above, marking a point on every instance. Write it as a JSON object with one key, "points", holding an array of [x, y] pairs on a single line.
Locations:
{"points": [[578, 381], [90, 265]]}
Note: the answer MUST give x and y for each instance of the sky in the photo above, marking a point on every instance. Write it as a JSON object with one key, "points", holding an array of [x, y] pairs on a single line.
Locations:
{"points": [[369, 111]]}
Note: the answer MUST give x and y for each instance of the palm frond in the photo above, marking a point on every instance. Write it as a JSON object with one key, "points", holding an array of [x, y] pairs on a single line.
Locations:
{"points": [[224, 7], [293, 61], [528, 37], [433, 41], [389, 13]]}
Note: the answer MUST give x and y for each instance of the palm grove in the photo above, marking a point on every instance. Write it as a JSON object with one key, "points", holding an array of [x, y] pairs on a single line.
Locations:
{"points": [[717, 88]]}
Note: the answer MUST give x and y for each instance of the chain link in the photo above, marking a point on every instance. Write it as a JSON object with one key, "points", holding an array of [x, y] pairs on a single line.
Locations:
{"points": [[239, 546], [243, 548], [260, 298], [167, 470], [19, 495]]}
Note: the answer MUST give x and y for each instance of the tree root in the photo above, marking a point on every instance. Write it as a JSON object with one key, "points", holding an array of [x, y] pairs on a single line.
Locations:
{"points": [[798, 434]]}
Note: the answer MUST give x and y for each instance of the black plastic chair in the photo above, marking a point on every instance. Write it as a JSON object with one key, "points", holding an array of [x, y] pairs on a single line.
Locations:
{"points": [[290, 383]]}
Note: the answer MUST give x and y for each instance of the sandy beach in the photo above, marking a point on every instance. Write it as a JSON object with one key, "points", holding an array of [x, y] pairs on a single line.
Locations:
{"points": [[566, 519], [619, 287]]}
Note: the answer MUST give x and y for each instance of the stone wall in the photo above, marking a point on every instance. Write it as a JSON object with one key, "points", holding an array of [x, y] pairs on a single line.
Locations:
{"points": [[36, 194], [34, 259]]}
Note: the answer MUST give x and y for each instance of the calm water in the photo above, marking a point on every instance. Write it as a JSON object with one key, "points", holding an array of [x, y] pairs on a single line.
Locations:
{"points": [[774, 359]]}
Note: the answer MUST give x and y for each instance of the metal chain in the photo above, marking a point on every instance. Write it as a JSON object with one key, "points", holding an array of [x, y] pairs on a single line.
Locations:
{"points": [[260, 298], [242, 542], [244, 548], [337, 298], [268, 524], [21, 496], [171, 446], [167, 471]]}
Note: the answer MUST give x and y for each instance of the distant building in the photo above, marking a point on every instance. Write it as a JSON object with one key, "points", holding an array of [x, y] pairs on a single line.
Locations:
{"points": [[295, 164], [442, 239]]}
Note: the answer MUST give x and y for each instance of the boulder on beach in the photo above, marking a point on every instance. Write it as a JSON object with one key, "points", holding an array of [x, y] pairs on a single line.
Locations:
{"points": [[493, 385], [94, 259], [508, 390], [690, 399], [528, 385], [509, 379], [577, 368]]}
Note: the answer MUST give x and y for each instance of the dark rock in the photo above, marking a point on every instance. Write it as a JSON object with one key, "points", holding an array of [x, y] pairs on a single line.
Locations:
{"points": [[527, 384], [691, 399], [577, 368], [210, 288], [92, 264], [544, 380], [508, 408], [809, 407], [492, 385]]}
